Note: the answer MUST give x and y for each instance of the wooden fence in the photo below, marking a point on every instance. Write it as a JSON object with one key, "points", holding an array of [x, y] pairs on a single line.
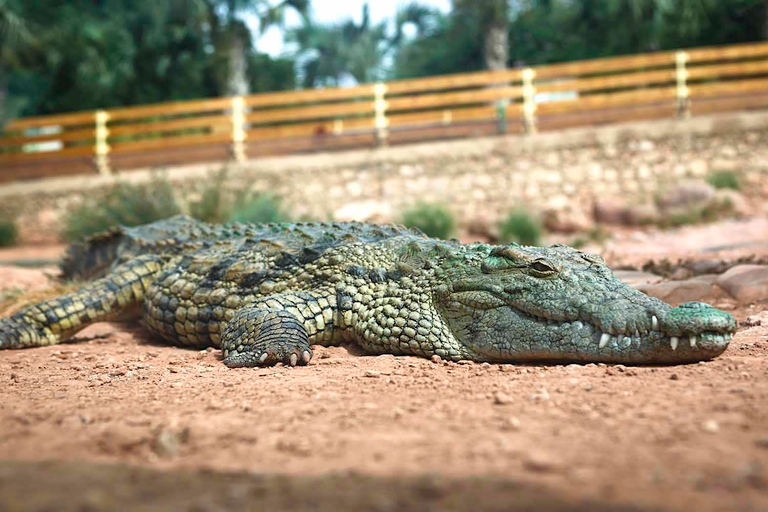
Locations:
{"points": [[649, 86]]}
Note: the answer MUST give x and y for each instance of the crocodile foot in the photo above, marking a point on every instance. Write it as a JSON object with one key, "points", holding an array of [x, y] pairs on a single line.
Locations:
{"points": [[263, 337]]}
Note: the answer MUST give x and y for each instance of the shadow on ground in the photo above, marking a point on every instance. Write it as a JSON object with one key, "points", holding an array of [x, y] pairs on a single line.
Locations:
{"points": [[79, 486]]}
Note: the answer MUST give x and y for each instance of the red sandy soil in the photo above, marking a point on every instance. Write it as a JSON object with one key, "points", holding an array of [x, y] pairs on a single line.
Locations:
{"points": [[692, 437]]}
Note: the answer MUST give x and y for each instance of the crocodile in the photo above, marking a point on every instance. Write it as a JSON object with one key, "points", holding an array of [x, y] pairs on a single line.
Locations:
{"points": [[265, 293]]}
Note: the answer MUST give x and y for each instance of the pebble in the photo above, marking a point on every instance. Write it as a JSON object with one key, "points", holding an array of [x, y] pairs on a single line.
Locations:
{"points": [[372, 373], [540, 463], [511, 424], [166, 442], [501, 398], [711, 426], [435, 358]]}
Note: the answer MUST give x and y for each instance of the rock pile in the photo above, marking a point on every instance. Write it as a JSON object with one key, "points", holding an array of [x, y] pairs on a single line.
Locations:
{"points": [[745, 284]]}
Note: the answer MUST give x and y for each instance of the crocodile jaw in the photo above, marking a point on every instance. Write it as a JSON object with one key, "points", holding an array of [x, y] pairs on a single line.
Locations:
{"points": [[498, 331]]}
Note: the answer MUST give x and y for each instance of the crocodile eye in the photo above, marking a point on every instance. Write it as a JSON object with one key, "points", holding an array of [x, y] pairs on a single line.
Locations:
{"points": [[542, 267]]}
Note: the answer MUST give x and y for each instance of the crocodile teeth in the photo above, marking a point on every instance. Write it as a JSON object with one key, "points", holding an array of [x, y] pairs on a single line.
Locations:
{"points": [[294, 359], [692, 339], [263, 357], [673, 342], [654, 323], [305, 356], [604, 339]]}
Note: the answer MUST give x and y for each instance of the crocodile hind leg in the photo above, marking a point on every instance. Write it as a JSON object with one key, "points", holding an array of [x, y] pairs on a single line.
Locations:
{"points": [[277, 329], [56, 320]]}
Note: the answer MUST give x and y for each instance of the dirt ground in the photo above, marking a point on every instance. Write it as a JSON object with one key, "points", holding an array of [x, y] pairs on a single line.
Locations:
{"points": [[119, 421]]}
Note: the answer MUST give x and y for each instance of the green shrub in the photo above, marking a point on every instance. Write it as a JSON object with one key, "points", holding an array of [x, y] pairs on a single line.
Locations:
{"points": [[522, 227], [126, 204], [596, 235], [258, 208], [724, 179], [434, 220], [697, 215], [213, 205], [217, 205], [9, 231]]}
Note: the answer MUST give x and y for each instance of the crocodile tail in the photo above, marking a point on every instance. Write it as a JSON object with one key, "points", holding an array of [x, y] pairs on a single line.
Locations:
{"points": [[93, 257]]}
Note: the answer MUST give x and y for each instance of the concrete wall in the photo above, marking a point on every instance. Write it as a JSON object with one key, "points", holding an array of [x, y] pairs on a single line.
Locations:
{"points": [[480, 179]]}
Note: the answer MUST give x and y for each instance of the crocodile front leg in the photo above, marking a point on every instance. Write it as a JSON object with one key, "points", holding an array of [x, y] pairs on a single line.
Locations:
{"points": [[277, 329]]}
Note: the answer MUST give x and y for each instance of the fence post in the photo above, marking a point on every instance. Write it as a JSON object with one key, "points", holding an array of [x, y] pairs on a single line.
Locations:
{"points": [[238, 129], [380, 109], [529, 103], [101, 149], [501, 115], [681, 74]]}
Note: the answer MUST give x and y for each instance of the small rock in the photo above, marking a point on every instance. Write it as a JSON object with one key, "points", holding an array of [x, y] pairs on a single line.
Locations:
{"points": [[711, 426], [372, 373], [699, 267], [540, 463], [674, 376], [511, 424], [541, 396], [166, 442], [735, 202], [745, 283], [609, 211], [435, 358], [681, 273], [561, 215], [501, 398], [699, 288], [641, 214], [636, 278], [466, 362], [687, 195], [752, 321]]}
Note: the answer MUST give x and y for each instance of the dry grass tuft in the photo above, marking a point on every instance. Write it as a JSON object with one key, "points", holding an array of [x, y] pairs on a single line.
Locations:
{"points": [[15, 299]]}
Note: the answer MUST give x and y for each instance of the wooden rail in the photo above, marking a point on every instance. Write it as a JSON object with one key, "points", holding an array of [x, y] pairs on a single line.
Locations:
{"points": [[663, 84]]}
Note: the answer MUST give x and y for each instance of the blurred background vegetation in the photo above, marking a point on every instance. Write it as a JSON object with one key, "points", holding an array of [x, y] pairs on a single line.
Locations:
{"points": [[66, 55]]}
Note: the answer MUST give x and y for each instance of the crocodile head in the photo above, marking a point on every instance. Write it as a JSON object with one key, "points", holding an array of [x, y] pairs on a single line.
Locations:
{"points": [[514, 303]]}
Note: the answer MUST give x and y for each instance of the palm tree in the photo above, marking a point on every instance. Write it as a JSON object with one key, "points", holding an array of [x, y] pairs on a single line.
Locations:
{"points": [[494, 23], [234, 38], [14, 34], [334, 52], [765, 20]]}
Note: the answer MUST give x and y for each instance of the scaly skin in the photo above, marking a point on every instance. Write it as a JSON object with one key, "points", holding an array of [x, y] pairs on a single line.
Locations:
{"points": [[266, 293]]}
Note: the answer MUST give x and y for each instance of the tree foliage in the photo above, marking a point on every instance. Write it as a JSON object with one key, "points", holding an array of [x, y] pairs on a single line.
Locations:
{"points": [[331, 53], [545, 31], [58, 56], [88, 54]]}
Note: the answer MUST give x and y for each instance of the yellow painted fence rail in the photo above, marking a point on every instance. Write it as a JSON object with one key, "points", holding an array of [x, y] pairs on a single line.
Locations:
{"points": [[649, 86]]}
